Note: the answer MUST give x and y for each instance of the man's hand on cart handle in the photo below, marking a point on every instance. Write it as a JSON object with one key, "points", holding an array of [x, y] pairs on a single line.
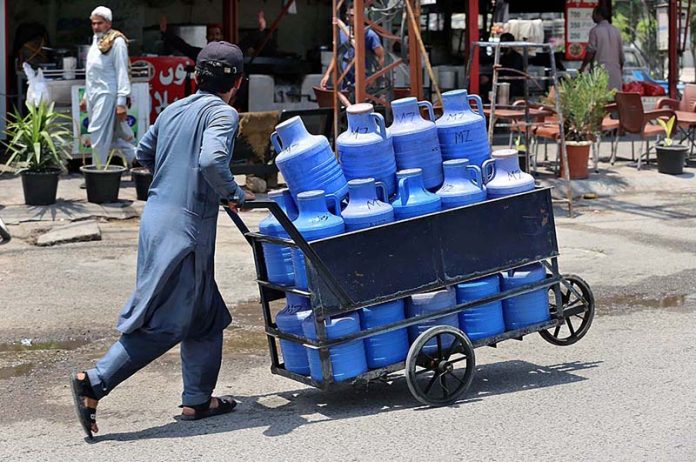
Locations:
{"points": [[235, 204]]}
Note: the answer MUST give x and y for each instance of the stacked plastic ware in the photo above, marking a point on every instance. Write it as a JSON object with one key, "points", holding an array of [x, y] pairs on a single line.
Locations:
{"points": [[347, 361], [530, 308], [463, 184], [364, 209], [365, 149], [289, 320], [313, 222], [428, 303], [462, 132], [413, 199], [415, 140], [278, 257], [307, 161], [506, 178], [484, 320], [390, 347]]}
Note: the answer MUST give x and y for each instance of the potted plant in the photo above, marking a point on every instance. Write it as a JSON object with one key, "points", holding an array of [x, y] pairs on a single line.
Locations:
{"points": [[670, 157], [102, 182], [583, 100], [142, 176], [39, 144]]}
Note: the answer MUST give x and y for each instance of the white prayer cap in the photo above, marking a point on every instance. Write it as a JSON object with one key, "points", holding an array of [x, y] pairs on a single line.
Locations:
{"points": [[103, 12]]}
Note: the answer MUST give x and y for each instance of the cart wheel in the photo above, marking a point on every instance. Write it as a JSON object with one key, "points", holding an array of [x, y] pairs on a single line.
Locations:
{"points": [[578, 312], [433, 376]]}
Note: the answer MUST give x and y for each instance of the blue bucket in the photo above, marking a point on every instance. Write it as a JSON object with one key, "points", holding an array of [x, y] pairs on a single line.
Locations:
{"points": [[484, 320]]}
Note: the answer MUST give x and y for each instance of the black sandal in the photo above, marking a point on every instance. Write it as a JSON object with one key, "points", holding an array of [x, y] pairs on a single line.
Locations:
{"points": [[87, 416], [225, 404]]}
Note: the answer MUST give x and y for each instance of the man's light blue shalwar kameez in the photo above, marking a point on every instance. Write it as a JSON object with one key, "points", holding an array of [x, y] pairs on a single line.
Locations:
{"points": [[176, 299]]}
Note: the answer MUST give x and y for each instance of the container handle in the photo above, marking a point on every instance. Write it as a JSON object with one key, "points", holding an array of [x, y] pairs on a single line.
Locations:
{"points": [[277, 145], [333, 201], [429, 105], [383, 187], [479, 104], [380, 124], [477, 178], [488, 165], [404, 191]]}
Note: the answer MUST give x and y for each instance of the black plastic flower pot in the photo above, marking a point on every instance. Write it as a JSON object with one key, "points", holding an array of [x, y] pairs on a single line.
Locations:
{"points": [[142, 177], [102, 184], [40, 188], [670, 159]]}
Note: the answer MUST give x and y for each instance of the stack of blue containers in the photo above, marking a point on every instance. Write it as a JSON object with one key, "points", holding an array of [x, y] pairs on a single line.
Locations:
{"points": [[278, 258], [429, 303], [347, 361], [530, 308], [485, 320], [289, 320], [370, 155]]}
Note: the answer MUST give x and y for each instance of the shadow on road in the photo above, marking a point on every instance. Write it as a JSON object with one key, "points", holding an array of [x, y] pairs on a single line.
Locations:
{"points": [[281, 413]]}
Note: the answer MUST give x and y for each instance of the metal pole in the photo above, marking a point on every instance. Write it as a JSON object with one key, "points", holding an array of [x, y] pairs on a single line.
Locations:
{"points": [[673, 56], [494, 92], [421, 45], [414, 59], [229, 20], [472, 34], [335, 71], [564, 153], [359, 37]]}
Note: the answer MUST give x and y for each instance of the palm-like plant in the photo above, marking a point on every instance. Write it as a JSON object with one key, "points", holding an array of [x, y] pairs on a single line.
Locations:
{"points": [[39, 141], [583, 101]]}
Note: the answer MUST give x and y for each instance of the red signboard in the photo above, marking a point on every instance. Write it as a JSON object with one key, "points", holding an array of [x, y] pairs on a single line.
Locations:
{"points": [[168, 82], [578, 16]]}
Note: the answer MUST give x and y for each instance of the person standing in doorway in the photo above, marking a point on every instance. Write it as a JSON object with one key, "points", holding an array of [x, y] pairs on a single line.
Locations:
{"points": [[176, 299], [108, 87], [605, 48]]}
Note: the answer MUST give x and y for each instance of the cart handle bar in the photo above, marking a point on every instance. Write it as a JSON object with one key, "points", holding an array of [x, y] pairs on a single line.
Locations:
{"points": [[299, 241]]}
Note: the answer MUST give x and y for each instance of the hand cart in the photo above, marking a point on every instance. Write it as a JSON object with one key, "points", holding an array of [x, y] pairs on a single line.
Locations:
{"points": [[389, 262]]}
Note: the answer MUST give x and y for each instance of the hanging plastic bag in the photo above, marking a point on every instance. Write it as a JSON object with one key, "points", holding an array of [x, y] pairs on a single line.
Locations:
{"points": [[38, 90]]}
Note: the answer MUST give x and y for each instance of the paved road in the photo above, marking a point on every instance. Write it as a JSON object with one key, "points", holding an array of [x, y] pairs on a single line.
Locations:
{"points": [[625, 392]]}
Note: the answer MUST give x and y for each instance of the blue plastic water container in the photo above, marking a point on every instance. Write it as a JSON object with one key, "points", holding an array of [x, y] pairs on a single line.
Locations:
{"points": [[390, 347], [484, 320], [278, 258], [289, 320], [313, 222], [530, 308], [365, 148], [307, 161], [427, 303], [347, 361]]}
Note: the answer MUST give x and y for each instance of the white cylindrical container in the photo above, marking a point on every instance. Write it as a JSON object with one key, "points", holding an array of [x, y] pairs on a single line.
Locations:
{"points": [[69, 66]]}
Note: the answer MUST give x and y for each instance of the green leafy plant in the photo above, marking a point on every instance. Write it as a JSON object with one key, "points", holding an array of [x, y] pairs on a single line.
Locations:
{"points": [[39, 141], [583, 100], [667, 126], [519, 145]]}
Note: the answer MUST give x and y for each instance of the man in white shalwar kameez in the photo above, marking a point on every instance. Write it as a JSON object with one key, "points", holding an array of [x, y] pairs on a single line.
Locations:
{"points": [[108, 87]]}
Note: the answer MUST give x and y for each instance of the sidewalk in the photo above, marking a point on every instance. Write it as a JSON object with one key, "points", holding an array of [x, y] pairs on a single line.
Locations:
{"points": [[621, 178], [72, 205]]}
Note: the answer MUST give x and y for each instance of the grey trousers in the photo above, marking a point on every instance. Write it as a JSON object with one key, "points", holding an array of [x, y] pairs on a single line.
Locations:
{"points": [[200, 362]]}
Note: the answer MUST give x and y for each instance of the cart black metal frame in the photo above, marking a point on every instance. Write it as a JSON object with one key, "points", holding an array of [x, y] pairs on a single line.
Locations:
{"points": [[362, 268]]}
